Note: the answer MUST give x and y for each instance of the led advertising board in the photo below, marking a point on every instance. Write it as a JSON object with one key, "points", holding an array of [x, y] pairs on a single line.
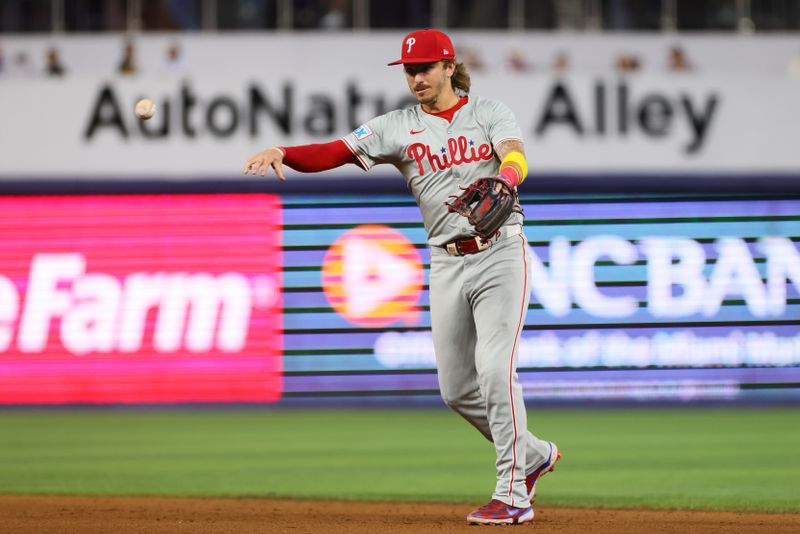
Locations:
{"points": [[630, 297], [140, 299]]}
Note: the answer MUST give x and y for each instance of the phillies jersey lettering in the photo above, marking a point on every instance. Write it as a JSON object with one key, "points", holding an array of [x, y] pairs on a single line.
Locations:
{"points": [[437, 157], [458, 154]]}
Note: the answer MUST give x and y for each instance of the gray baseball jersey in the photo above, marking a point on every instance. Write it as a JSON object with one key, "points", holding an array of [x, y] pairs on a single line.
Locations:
{"points": [[437, 158], [478, 301]]}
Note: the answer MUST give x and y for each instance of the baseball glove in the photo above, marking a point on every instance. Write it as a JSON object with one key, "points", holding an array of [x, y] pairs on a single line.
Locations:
{"points": [[485, 205]]}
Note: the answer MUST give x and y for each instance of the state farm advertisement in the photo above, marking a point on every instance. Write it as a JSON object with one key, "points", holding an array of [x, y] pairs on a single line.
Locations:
{"points": [[140, 299]]}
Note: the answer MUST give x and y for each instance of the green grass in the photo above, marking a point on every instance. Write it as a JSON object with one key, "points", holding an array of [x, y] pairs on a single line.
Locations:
{"points": [[674, 458]]}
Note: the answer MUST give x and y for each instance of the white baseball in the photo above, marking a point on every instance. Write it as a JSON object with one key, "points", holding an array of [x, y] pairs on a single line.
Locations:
{"points": [[145, 108]]}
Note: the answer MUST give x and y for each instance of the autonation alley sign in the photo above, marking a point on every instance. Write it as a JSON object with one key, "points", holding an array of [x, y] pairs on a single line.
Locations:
{"points": [[216, 113]]}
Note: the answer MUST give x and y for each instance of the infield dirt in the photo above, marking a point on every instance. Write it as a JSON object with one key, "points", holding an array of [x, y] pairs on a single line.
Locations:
{"points": [[151, 515]]}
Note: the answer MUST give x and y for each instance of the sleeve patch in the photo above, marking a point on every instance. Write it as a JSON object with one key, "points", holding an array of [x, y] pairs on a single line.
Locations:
{"points": [[362, 132]]}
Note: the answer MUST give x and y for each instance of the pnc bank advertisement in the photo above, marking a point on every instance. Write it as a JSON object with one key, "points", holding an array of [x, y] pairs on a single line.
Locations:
{"points": [[140, 299], [256, 297]]}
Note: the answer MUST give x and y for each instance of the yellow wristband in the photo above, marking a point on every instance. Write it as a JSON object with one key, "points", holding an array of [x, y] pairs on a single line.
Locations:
{"points": [[519, 159]]}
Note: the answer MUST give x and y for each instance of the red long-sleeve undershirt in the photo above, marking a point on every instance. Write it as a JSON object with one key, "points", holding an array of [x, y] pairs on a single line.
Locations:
{"points": [[318, 157]]}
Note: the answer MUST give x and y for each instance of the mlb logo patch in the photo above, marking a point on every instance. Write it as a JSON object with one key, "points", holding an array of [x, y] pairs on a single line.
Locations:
{"points": [[362, 132]]}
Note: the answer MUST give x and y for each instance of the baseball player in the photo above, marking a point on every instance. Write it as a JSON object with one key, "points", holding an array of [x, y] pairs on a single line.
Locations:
{"points": [[479, 286]]}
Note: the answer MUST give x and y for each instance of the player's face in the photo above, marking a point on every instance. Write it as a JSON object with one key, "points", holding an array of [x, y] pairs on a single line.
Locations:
{"points": [[429, 81]]}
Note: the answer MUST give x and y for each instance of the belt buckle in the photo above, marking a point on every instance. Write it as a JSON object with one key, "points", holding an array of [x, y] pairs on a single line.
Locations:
{"points": [[452, 249]]}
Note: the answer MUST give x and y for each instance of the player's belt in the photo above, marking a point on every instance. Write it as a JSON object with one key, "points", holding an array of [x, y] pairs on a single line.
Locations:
{"points": [[475, 244]]}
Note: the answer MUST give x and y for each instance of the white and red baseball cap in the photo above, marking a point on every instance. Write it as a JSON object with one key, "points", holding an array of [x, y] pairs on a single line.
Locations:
{"points": [[426, 46]]}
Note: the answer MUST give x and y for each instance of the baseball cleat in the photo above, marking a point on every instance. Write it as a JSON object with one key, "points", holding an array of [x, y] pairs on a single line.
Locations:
{"points": [[546, 467], [499, 513]]}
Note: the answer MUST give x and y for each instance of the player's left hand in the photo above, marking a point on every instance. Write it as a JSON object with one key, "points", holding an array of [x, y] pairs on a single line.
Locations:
{"points": [[486, 203], [261, 162]]}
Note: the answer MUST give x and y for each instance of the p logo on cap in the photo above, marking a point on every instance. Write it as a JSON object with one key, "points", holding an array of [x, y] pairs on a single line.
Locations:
{"points": [[426, 46]]}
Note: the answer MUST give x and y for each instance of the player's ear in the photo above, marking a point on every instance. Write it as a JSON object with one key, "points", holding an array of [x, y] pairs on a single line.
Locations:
{"points": [[449, 67]]}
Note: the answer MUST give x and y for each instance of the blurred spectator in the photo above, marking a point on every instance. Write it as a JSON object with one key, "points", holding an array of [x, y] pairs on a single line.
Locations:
{"points": [[174, 64], [517, 61], [53, 66], [127, 65], [626, 63], [561, 63], [335, 17], [793, 68], [677, 61], [22, 66], [322, 14], [250, 14], [471, 59]]}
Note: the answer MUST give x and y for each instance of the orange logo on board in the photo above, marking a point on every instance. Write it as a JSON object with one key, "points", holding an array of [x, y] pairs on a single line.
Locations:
{"points": [[372, 275]]}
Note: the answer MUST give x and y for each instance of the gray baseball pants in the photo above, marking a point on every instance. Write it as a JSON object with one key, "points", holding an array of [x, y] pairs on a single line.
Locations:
{"points": [[478, 306]]}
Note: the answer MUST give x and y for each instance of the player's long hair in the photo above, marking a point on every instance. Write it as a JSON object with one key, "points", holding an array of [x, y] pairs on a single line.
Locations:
{"points": [[460, 79]]}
